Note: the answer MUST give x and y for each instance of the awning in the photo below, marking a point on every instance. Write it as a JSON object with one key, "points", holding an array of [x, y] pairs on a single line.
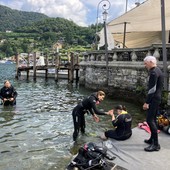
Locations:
{"points": [[143, 25]]}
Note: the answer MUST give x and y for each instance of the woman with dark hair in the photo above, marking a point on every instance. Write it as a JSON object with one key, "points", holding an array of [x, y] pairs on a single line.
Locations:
{"points": [[122, 123], [87, 105]]}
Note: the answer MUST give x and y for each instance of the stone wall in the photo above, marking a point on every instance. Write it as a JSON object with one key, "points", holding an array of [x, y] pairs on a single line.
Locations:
{"points": [[125, 80], [127, 76], [121, 74]]}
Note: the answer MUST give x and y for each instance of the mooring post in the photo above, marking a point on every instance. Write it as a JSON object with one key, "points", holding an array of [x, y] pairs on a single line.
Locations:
{"points": [[46, 65], [17, 66], [46, 59], [77, 75], [53, 56], [71, 69], [34, 66], [57, 64], [76, 67], [28, 64]]}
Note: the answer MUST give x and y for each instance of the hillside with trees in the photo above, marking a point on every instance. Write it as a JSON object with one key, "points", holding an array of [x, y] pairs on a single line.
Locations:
{"points": [[41, 35], [11, 19], [60, 29]]}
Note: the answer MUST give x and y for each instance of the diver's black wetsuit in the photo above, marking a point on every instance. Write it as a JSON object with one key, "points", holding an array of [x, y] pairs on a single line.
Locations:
{"points": [[155, 86], [123, 131], [87, 105], [8, 93]]}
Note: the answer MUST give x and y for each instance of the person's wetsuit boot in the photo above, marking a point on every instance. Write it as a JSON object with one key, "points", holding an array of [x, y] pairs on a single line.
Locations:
{"points": [[75, 135], [82, 130], [155, 146], [82, 124], [152, 148], [148, 141]]}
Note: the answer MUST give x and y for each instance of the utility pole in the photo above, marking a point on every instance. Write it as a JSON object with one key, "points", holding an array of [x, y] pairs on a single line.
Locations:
{"points": [[164, 45]]}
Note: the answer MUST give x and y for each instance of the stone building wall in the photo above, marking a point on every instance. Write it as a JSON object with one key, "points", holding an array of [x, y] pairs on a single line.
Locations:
{"points": [[121, 73], [125, 79], [94, 76]]}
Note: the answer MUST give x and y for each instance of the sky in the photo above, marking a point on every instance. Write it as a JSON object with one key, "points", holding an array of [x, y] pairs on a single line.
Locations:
{"points": [[81, 12]]}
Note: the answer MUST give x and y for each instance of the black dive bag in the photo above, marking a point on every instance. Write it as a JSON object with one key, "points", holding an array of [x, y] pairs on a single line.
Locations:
{"points": [[91, 157]]}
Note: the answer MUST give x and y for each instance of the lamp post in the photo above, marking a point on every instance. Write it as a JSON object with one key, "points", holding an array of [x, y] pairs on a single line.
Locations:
{"points": [[126, 6], [164, 45], [105, 5], [105, 39], [106, 45]]}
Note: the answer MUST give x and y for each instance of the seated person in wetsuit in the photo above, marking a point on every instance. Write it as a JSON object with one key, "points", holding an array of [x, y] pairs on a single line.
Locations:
{"points": [[8, 94], [122, 123], [87, 105]]}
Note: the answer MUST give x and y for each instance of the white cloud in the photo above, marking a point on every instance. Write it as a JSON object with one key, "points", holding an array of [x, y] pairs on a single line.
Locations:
{"points": [[69, 9], [82, 12], [117, 7], [15, 4]]}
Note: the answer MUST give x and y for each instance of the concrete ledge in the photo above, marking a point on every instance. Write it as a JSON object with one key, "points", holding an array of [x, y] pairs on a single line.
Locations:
{"points": [[130, 154]]}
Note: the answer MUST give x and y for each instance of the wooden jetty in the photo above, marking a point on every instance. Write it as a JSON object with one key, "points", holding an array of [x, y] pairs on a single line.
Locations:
{"points": [[72, 67]]}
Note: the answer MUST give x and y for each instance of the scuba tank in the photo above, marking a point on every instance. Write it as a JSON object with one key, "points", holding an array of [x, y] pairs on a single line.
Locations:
{"points": [[91, 157]]}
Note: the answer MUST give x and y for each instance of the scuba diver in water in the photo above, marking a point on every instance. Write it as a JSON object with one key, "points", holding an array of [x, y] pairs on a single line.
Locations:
{"points": [[87, 105], [8, 94]]}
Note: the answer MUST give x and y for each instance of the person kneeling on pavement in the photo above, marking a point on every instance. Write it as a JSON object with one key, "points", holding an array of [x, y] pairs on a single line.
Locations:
{"points": [[122, 123]]}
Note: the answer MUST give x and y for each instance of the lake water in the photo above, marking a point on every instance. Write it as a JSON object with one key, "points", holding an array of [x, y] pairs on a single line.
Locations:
{"points": [[36, 134]]}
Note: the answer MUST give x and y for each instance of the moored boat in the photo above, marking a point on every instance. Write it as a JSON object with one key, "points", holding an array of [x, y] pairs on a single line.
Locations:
{"points": [[4, 61]]}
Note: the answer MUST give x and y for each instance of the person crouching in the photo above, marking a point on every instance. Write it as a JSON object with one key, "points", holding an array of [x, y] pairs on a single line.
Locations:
{"points": [[87, 105], [122, 123]]}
